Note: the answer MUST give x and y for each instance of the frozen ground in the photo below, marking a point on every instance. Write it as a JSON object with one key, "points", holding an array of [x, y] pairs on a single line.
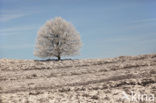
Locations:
{"points": [[79, 81]]}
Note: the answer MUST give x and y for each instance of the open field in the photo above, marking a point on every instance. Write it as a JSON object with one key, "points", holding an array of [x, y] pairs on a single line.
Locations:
{"points": [[78, 81]]}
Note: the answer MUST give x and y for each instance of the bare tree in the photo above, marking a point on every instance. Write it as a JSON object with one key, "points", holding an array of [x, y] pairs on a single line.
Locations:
{"points": [[57, 38]]}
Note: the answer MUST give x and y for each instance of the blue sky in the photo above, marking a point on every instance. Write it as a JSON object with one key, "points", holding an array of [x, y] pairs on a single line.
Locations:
{"points": [[108, 28]]}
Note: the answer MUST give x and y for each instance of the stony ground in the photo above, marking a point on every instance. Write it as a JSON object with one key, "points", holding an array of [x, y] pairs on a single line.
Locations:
{"points": [[79, 81]]}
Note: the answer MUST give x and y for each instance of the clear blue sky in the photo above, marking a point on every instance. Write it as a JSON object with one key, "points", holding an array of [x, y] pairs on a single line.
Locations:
{"points": [[108, 28]]}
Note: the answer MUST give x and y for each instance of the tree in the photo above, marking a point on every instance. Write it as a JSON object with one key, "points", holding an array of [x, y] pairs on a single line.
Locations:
{"points": [[57, 38]]}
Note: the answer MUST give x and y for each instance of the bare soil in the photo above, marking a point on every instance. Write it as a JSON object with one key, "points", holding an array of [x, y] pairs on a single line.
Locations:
{"points": [[78, 81]]}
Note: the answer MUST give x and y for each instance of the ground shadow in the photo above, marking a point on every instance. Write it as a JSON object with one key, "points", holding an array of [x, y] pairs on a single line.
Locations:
{"points": [[46, 60]]}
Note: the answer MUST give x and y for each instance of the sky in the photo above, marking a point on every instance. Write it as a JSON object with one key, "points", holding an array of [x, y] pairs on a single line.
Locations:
{"points": [[108, 28]]}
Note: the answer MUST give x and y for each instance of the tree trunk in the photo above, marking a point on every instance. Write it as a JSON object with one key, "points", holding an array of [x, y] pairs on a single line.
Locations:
{"points": [[59, 58]]}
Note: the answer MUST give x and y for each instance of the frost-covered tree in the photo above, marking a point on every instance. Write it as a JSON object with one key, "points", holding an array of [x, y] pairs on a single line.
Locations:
{"points": [[57, 38]]}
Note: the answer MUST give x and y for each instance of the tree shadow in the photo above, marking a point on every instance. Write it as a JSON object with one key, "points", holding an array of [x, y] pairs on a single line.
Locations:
{"points": [[48, 60]]}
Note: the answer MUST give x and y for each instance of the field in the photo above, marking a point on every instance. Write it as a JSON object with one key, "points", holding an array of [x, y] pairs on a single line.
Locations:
{"points": [[79, 81]]}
